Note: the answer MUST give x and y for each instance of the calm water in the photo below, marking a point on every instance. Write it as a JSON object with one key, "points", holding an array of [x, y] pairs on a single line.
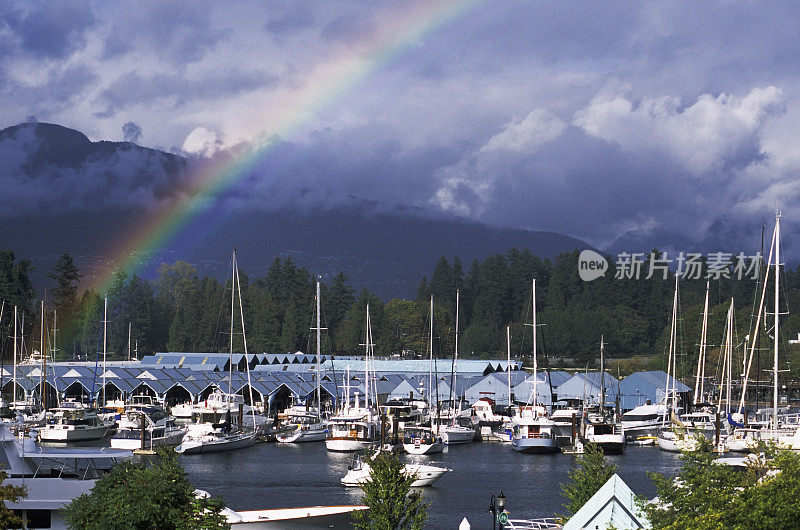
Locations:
{"points": [[285, 475]]}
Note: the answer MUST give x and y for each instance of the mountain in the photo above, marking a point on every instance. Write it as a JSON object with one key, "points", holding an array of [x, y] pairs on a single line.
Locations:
{"points": [[67, 193]]}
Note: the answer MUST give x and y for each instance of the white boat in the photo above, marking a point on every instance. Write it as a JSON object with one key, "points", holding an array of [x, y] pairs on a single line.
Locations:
{"points": [[605, 433], [533, 431], [644, 421], [566, 425], [71, 422], [424, 475], [302, 425], [52, 477], [421, 441], [207, 433], [214, 440], [146, 426], [355, 429], [676, 442]]}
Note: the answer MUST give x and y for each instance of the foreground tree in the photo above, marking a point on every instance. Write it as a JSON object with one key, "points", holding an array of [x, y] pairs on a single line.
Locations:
{"points": [[135, 496], [708, 495], [591, 473], [392, 504], [9, 493]]}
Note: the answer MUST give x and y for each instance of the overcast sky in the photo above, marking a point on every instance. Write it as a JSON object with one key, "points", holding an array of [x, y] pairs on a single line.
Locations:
{"points": [[587, 118]]}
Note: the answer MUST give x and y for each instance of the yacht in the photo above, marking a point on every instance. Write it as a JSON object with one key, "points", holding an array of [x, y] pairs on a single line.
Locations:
{"points": [[533, 431], [419, 440], [145, 425], [355, 429], [302, 425], [566, 425], [52, 477], [72, 422], [644, 420], [605, 433]]}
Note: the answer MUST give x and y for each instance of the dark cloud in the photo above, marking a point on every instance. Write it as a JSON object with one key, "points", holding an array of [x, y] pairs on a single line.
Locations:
{"points": [[131, 132], [132, 89], [292, 17], [51, 30], [72, 82]]}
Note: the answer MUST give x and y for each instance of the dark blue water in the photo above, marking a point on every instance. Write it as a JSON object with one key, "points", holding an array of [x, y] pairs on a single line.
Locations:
{"points": [[286, 475]]}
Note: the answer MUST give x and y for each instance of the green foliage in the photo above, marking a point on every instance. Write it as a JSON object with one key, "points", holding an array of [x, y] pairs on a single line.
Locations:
{"points": [[9, 493], [706, 495], [392, 504], [134, 496], [591, 472]]}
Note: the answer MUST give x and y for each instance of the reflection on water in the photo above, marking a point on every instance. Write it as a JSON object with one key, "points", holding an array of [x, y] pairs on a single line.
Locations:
{"points": [[291, 475]]}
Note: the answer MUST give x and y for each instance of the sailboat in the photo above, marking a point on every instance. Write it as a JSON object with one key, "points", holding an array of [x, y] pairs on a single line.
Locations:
{"points": [[421, 439], [304, 424], [356, 428], [599, 428], [204, 436], [532, 430], [783, 436], [451, 432]]}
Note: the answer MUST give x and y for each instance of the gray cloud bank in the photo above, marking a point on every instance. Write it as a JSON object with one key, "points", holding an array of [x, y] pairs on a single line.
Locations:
{"points": [[589, 119]]}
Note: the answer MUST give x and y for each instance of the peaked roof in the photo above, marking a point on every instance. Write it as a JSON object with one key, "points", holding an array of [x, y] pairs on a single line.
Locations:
{"points": [[614, 505]]}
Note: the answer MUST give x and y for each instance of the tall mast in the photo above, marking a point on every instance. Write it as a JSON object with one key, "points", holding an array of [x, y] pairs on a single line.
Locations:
{"points": [[701, 361], [14, 402], [777, 312], [319, 352], [233, 312], [105, 327], [535, 362], [246, 360], [129, 341], [430, 368], [602, 377], [366, 363], [508, 361], [43, 378]]}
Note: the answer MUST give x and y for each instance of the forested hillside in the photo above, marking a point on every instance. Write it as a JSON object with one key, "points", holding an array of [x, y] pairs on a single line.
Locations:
{"points": [[181, 311]]}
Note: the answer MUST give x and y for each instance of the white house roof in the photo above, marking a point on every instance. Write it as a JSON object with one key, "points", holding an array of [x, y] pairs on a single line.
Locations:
{"points": [[613, 506]]}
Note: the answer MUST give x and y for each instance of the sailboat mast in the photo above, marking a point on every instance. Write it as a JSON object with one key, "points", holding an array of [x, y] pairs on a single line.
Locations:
{"points": [[366, 363], [701, 361], [43, 378], [319, 352], [430, 367], [233, 309], [777, 311], [535, 362], [602, 376], [14, 397], [508, 361], [105, 334], [129, 341], [246, 360]]}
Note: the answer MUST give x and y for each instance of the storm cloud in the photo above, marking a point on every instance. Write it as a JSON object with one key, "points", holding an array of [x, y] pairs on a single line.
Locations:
{"points": [[591, 119]]}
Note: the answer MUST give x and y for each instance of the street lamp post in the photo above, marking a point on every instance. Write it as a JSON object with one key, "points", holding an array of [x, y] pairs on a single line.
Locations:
{"points": [[497, 505]]}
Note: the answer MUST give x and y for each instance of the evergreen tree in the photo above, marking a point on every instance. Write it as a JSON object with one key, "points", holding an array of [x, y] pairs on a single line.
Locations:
{"points": [[65, 294], [392, 504], [591, 473]]}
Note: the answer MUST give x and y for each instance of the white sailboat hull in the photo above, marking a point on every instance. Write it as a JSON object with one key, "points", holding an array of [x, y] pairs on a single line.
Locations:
{"points": [[131, 444], [348, 445], [458, 435], [534, 445], [423, 448], [211, 445], [62, 433], [424, 475], [302, 436]]}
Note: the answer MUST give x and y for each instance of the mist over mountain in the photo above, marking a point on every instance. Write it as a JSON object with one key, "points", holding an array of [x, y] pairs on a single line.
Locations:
{"points": [[67, 193]]}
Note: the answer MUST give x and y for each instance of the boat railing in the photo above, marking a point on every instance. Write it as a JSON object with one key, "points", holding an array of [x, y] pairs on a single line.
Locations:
{"points": [[533, 524]]}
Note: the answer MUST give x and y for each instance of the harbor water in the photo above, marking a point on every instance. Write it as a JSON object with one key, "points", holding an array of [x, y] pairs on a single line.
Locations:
{"points": [[288, 475]]}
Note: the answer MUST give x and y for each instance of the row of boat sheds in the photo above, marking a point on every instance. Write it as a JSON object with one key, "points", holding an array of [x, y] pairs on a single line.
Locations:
{"points": [[278, 381]]}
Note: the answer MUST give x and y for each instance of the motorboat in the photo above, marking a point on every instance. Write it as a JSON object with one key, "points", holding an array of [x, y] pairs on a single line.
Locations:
{"points": [[424, 475], [145, 426], [302, 425], [71, 422], [52, 477], [566, 425], [355, 429], [644, 420], [533, 431], [605, 433], [420, 440]]}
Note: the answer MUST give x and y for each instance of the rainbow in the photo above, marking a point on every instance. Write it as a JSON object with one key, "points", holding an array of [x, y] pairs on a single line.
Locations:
{"points": [[333, 81]]}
